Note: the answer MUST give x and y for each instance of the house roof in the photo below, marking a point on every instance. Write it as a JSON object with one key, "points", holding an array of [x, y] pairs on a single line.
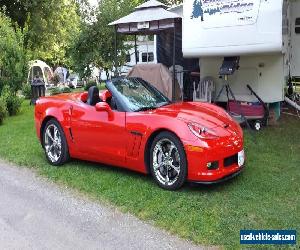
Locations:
{"points": [[151, 4]]}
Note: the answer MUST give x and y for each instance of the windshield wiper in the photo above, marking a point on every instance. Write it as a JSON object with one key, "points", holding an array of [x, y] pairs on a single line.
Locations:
{"points": [[145, 109], [163, 104]]}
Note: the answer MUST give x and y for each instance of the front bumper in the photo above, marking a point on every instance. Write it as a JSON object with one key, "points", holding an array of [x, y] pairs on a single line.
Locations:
{"points": [[224, 179], [221, 150]]}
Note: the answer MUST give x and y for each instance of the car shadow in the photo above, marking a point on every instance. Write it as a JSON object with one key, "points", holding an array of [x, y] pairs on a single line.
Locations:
{"points": [[187, 187]]}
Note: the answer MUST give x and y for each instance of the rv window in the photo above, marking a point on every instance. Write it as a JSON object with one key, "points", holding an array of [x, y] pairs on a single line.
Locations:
{"points": [[297, 30], [298, 21]]}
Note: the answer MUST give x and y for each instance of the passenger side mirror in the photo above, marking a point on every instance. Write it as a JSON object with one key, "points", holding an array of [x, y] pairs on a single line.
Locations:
{"points": [[104, 107]]}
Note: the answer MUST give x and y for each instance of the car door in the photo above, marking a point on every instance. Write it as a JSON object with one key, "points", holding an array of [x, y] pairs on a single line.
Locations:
{"points": [[98, 136]]}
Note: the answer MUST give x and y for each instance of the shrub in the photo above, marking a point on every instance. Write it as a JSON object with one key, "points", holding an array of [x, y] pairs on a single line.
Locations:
{"points": [[26, 91], [66, 90], [12, 54], [13, 102], [57, 91], [3, 110], [89, 84]]}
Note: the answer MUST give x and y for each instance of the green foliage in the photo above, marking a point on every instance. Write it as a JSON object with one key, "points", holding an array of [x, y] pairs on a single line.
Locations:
{"points": [[12, 55], [52, 27], [3, 110], [49, 27], [13, 102], [59, 90], [89, 84], [66, 90], [55, 91], [95, 45], [26, 91]]}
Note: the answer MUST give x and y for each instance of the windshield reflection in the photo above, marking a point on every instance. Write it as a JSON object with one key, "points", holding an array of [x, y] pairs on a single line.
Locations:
{"points": [[138, 95]]}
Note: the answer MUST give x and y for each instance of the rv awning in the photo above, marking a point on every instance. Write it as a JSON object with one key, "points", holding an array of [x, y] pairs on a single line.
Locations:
{"points": [[149, 17]]}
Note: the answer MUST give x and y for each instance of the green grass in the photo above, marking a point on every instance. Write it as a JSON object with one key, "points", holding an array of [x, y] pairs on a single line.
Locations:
{"points": [[265, 196]]}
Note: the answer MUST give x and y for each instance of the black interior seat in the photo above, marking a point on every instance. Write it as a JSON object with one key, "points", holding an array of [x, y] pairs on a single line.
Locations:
{"points": [[112, 103], [93, 96]]}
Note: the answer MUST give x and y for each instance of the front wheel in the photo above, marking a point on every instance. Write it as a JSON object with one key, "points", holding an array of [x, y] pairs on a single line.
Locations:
{"points": [[55, 143], [168, 163]]}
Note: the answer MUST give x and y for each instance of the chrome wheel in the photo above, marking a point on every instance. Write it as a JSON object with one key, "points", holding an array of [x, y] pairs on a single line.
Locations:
{"points": [[166, 162], [52, 142]]}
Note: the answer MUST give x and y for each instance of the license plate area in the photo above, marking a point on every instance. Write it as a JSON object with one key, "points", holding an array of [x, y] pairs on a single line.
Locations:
{"points": [[241, 158]]}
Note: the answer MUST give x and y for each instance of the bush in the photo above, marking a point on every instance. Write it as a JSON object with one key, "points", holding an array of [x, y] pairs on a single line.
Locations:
{"points": [[3, 110], [12, 101], [89, 84], [13, 104], [66, 90], [26, 91], [57, 91]]}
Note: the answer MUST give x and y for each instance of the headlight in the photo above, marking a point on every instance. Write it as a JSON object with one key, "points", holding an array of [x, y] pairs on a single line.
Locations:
{"points": [[201, 131]]}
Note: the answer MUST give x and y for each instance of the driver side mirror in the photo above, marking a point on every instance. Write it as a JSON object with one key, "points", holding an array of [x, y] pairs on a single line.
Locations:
{"points": [[104, 107]]}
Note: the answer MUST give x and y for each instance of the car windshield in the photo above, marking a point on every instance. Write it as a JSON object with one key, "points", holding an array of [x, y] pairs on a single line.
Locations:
{"points": [[139, 95]]}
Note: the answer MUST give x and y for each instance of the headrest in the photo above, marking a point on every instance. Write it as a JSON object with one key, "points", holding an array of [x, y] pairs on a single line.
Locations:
{"points": [[93, 96]]}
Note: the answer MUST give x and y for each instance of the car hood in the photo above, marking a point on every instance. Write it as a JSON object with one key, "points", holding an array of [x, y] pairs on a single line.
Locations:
{"points": [[205, 114]]}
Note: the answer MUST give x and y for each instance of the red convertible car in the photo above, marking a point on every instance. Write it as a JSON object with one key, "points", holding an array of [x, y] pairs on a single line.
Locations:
{"points": [[134, 126]]}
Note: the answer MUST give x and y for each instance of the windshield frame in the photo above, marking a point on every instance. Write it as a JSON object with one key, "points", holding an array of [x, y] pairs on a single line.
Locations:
{"points": [[121, 102]]}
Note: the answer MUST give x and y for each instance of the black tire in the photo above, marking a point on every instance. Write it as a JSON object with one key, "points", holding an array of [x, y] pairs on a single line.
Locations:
{"points": [[178, 157], [64, 155]]}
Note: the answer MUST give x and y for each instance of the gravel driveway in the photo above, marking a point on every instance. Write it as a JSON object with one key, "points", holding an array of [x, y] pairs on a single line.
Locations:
{"points": [[37, 214]]}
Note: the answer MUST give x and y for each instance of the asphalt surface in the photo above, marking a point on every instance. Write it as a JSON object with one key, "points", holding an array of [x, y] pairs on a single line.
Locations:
{"points": [[37, 214]]}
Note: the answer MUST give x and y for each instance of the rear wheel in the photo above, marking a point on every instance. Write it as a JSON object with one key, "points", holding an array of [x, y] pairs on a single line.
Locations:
{"points": [[168, 163], [55, 143]]}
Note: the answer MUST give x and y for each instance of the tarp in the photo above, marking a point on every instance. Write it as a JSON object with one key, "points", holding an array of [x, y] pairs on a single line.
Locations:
{"points": [[158, 76]]}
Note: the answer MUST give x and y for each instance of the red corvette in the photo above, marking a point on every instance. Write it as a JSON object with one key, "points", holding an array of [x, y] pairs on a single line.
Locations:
{"points": [[132, 125]]}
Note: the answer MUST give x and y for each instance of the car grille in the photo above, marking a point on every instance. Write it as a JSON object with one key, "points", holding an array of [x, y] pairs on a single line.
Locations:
{"points": [[231, 161]]}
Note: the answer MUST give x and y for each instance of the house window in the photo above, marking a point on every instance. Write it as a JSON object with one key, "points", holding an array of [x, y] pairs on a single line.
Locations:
{"points": [[147, 57], [144, 57], [128, 58], [297, 25], [150, 57]]}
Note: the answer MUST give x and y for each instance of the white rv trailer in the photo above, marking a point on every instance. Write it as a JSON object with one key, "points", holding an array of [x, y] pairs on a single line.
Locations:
{"points": [[262, 32]]}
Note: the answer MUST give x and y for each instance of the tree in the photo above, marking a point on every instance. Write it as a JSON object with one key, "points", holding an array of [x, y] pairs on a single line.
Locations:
{"points": [[12, 54], [51, 26], [171, 2], [95, 45], [197, 10]]}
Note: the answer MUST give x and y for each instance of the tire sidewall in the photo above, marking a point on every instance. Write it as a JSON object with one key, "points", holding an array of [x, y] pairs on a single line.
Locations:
{"points": [[64, 157], [183, 161]]}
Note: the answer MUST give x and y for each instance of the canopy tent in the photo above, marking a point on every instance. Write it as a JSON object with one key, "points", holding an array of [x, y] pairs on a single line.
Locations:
{"points": [[148, 19], [159, 76]]}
